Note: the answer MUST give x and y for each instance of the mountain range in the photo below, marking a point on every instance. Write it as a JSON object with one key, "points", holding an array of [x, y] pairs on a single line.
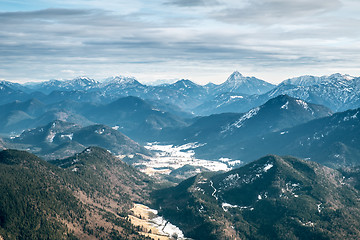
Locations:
{"points": [[237, 94], [277, 113], [331, 140], [135, 117]]}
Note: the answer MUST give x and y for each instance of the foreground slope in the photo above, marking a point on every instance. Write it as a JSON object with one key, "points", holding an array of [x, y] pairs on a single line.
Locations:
{"points": [[271, 198], [41, 201]]}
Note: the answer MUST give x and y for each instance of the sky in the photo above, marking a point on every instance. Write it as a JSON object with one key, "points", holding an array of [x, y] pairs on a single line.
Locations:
{"points": [[164, 40]]}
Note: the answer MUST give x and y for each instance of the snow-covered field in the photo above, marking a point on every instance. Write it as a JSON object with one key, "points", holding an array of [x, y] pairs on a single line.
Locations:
{"points": [[170, 157], [159, 226]]}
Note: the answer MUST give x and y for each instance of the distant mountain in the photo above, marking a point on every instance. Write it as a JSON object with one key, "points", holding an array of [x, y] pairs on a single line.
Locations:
{"points": [[120, 86], [61, 139], [9, 94], [42, 201], [55, 132], [271, 198], [183, 93], [79, 83], [95, 96], [237, 94], [15, 86], [338, 92], [135, 117], [333, 141], [237, 83], [132, 115], [171, 108], [225, 103], [309, 80], [31, 107], [108, 138], [18, 116], [62, 115], [276, 114]]}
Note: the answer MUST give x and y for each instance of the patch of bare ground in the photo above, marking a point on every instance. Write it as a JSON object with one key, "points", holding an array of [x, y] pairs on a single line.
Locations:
{"points": [[141, 216]]}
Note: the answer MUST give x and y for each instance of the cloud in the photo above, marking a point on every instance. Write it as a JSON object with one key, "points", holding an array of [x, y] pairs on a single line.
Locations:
{"points": [[274, 11], [165, 38], [193, 3]]}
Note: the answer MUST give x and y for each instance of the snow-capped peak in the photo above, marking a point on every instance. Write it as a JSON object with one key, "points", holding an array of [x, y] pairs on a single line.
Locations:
{"points": [[84, 81], [236, 77], [120, 80], [339, 77], [308, 80]]}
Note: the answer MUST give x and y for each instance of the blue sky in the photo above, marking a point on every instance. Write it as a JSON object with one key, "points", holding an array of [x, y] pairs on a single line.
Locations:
{"points": [[172, 39]]}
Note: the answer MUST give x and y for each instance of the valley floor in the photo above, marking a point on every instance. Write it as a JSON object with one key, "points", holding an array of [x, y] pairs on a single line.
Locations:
{"points": [[170, 157]]}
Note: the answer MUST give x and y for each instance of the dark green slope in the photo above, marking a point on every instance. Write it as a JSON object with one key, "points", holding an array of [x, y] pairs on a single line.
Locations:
{"points": [[32, 198], [41, 201], [98, 170], [271, 198]]}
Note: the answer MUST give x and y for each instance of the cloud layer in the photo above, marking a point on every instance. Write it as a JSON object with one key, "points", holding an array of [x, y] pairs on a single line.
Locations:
{"points": [[200, 40]]}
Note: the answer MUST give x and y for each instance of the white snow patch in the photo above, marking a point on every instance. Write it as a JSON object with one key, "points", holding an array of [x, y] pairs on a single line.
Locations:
{"points": [[319, 207], [347, 118], [70, 136], [267, 167], [307, 224], [246, 116], [224, 159], [234, 163], [51, 136], [226, 206], [285, 106], [239, 123], [166, 227], [101, 131], [302, 103], [234, 97]]}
